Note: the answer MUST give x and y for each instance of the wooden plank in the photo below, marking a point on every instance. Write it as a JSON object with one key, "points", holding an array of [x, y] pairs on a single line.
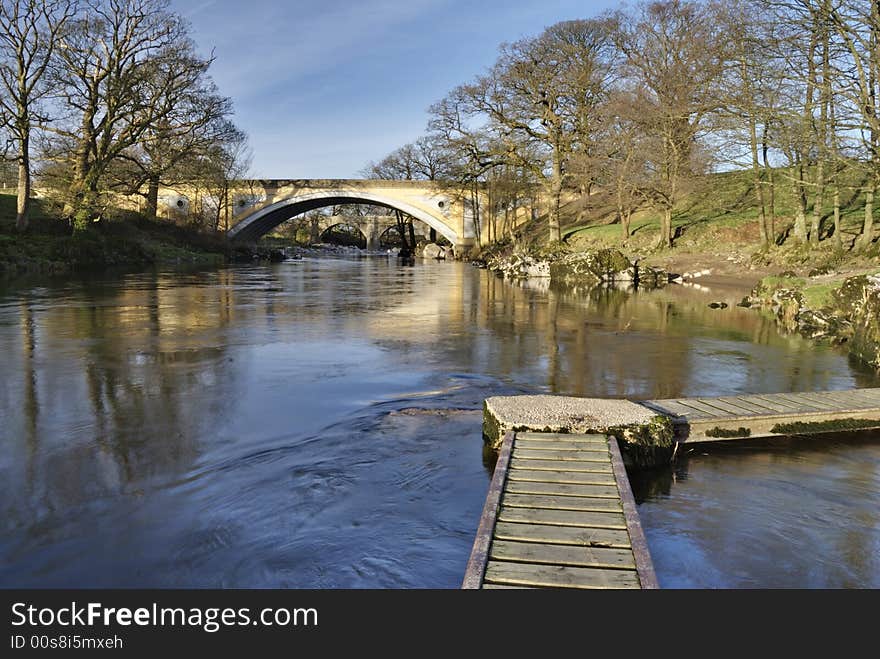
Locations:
{"points": [[532, 552], [562, 535], [771, 407], [573, 477], [560, 503], [638, 542], [581, 456], [799, 407], [806, 402], [559, 436], [707, 410], [476, 565], [854, 398], [561, 465], [668, 407], [561, 489], [871, 395], [501, 586], [786, 405], [559, 576], [686, 411], [840, 402], [727, 408], [556, 446], [741, 402], [575, 518]]}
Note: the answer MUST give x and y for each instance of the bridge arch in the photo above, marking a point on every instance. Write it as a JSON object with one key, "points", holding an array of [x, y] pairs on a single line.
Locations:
{"points": [[270, 216]]}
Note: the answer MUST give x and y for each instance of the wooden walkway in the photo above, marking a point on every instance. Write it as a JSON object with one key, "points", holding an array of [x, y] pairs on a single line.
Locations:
{"points": [[559, 514], [764, 415]]}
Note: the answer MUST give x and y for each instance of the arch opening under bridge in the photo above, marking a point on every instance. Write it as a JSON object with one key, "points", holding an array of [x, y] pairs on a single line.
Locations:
{"points": [[263, 219]]}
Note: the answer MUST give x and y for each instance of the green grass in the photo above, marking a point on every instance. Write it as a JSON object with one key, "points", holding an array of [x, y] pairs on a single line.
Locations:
{"points": [[719, 206], [818, 296]]}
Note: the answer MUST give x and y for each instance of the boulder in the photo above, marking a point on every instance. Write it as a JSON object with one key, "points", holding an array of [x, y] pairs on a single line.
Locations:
{"points": [[601, 266], [433, 251]]}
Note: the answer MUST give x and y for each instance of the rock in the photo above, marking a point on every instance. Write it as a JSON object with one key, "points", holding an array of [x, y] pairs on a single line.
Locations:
{"points": [[432, 251], [650, 277], [604, 265]]}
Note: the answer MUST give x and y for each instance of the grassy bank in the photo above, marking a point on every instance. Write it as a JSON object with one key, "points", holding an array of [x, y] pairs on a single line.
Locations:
{"points": [[125, 238], [716, 227]]}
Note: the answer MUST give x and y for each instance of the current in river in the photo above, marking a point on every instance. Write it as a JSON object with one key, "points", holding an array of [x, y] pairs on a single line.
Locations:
{"points": [[317, 424]]}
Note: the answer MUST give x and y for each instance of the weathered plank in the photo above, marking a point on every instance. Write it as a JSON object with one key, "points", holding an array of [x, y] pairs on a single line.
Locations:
{"points": [[561, 489], [786, 405], [559, 576], [555, 446], [562, 535], [561, 465], [677, 408], [770, 407], [743, 404], [473, 575], [669, 407], [581, 456], [531, 552], [806, 402], [575, 518], [638, 542], [728, 408], [598, 504], [572, 477], [850, 399], [708, 410], [502, 586], [557, 436], [842, 403]]}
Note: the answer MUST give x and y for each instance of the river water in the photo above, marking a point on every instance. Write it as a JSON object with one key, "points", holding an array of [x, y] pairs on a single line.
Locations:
{"points": [[317, 424]]}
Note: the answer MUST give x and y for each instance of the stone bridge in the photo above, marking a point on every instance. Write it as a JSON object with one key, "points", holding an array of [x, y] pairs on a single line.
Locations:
{"points": [[261, 205]]}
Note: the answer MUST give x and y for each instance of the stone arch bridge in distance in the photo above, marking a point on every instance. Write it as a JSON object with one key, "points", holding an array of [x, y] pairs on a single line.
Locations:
{"points": [[261, 205]]}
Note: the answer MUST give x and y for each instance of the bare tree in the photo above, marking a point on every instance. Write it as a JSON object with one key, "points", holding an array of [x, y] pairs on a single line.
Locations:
{"points": [[29, 33], [858, 25], [674, 59], [116, 76]]}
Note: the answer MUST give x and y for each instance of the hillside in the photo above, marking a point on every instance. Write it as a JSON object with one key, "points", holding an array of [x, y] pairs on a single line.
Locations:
{"points": [[716, 228]]}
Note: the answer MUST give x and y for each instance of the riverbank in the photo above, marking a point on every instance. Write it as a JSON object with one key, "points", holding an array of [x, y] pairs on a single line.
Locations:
{"points": [[49, 246]]}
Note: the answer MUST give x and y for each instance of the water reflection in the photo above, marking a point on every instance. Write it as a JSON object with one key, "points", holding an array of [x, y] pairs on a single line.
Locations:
{"points": [[317, 423], [796, 513]]}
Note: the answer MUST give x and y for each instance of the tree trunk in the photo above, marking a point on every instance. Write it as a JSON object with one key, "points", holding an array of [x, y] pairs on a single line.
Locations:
{"points": [[838, 239], [771, 187], [800, 218], [666, 228], [758, 183], [152, 207], [816, 217], [555, 198], [868, 226], [24, 188]]}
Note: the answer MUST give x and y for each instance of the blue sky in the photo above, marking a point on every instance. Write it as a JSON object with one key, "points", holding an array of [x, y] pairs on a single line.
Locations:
{"points": [[322, 87]]}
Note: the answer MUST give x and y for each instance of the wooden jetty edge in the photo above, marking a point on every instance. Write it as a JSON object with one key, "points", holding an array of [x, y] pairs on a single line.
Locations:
{"points": [[559, 514], [723, 418]]}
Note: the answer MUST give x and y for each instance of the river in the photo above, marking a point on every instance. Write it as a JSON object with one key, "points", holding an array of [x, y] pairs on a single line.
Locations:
{"points": [[317, 424]]}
